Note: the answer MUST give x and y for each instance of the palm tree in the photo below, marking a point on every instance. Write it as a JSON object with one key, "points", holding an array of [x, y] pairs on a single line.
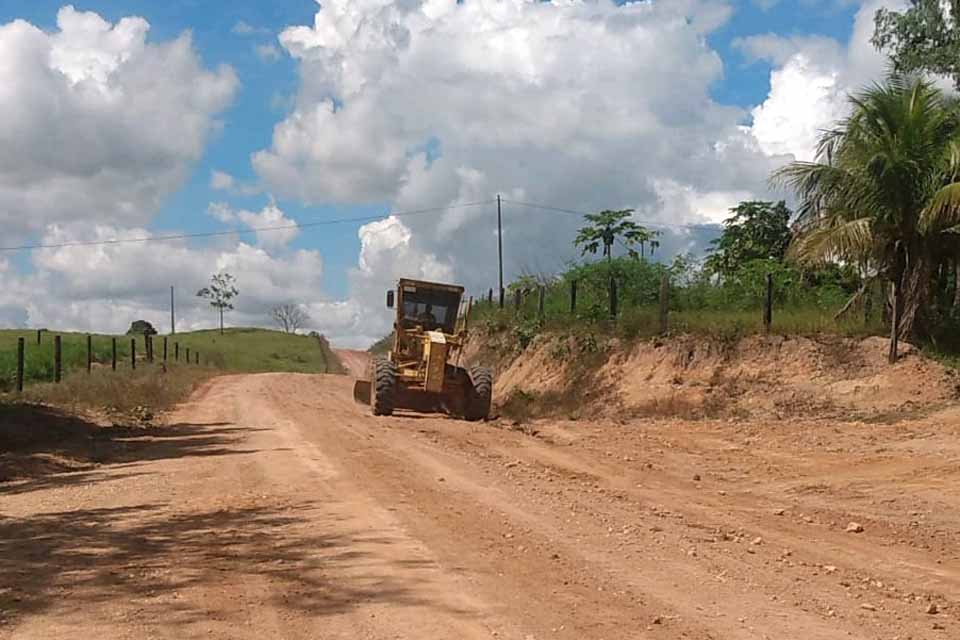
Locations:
{"points": [[883, 193]]}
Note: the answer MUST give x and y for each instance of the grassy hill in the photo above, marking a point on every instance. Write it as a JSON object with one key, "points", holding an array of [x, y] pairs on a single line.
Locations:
{"points": [[238, 350]]}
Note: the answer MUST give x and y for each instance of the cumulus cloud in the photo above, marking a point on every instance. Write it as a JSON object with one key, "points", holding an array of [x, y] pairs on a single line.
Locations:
{"points": [[584, 105], [811, 83], [273, 228], [221, 181], [99, 125], [105, 287]]}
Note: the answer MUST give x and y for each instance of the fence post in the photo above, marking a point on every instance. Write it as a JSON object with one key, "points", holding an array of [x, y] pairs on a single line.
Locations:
{"points": [[133, 353], [188, 355], [895, 323], [39, 336], [196, 355], [164, 348], [490, 296], [57, 359], [664, 303], [768, 305], [20, 351], [113, 361], [542, 290], [176, 352], [503, 294], [573, 297], [613, 297], [89, 354]]}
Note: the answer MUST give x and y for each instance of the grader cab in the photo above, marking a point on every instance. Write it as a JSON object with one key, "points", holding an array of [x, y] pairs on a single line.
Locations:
{"points": [[422, 372]]}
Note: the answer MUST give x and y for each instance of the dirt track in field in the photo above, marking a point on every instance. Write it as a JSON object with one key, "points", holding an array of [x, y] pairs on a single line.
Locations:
{"points": [[276, 508]]}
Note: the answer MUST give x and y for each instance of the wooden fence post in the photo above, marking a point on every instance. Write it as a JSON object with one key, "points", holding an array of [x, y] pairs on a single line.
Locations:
{"points": [[490, 297], [895, 323], [503, 293], [20, 351], [664, 303], [613, 297], [542, 291], [176, 352], [57, 359], [188, 355], [164, 348], [89, 354], [196, 355], [113, 362], [573, 297], [39, 336], [768, 305], [133, 353]]}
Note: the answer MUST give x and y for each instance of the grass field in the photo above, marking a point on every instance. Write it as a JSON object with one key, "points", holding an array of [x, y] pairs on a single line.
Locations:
{"points": [[238, 350]]}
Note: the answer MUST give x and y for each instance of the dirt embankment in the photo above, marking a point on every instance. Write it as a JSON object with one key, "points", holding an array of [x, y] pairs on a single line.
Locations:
{"points": [[688, 377]]}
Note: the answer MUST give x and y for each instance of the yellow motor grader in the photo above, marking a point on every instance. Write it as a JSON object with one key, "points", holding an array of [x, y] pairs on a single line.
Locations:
{"points": [[422, 371]]}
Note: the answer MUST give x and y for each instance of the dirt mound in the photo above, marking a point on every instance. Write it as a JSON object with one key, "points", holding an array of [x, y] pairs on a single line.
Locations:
{"points": [[692, 376]]}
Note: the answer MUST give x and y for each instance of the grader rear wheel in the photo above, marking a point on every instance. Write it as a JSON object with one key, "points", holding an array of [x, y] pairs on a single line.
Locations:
{"points": [[384, 387], [479, 394]]}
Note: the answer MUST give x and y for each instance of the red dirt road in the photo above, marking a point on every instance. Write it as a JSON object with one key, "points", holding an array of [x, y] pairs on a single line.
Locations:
{"points": [[276, 508]]}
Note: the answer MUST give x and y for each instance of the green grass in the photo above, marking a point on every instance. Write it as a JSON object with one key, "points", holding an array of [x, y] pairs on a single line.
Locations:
{"points": [[238, 350], [643, 322]]}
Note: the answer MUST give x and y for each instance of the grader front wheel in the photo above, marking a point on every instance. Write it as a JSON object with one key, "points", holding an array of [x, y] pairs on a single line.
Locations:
{"points": [[383, 387]]}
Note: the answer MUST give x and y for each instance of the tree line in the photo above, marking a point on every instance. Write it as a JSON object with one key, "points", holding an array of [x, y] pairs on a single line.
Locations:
{"points": [[877, 209]]}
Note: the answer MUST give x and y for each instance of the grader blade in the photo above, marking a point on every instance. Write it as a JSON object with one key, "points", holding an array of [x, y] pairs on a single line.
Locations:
{"points": [[361, 391]]}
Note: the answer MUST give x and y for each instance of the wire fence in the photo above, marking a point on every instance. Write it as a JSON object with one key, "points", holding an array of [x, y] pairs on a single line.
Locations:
{"points": [[658, 306], [47, 358]]}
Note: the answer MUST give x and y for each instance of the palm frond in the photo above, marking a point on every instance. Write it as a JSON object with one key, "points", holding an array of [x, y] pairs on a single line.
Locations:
{"points": [[852, 240], [943, 212]]}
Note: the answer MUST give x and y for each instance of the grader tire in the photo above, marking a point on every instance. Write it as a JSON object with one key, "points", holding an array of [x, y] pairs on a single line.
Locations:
{"points": [[384, 383], [480, 394]]}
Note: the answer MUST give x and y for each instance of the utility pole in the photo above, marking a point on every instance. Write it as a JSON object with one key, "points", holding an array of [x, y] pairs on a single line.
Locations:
{"points": [[500, 247], [173, 319]]}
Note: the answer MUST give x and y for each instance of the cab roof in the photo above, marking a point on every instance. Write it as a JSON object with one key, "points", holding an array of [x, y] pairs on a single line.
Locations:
{"points": [[436, 286]]}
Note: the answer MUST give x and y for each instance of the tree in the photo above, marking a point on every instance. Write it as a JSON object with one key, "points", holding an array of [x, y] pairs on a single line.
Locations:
{"points": [[924, 38], [607, 226], [882, 192], [756, 231], [290, 317], [141, 328], [220, 293]]}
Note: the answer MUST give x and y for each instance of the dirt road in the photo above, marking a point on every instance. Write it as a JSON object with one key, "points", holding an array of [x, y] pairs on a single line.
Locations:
{"points": [[272, 507]]}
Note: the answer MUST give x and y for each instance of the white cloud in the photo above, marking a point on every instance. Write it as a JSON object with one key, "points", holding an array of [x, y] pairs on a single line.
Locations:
{"points": [[244, 28], [267, 52], [104, 288], [810, 86], [584, 105], [98, 124], [275, 229], [221, 181]]}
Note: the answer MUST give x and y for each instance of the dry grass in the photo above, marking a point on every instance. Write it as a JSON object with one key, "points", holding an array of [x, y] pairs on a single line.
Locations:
{"points": [[149, 389]]}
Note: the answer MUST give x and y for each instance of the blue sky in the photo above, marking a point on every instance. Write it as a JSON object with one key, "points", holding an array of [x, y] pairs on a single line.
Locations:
{"points": [[359, 177]]}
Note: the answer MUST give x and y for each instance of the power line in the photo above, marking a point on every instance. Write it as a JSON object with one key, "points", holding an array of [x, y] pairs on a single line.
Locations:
{"points": [[213, 234], [319, 223], [649, 223]]}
